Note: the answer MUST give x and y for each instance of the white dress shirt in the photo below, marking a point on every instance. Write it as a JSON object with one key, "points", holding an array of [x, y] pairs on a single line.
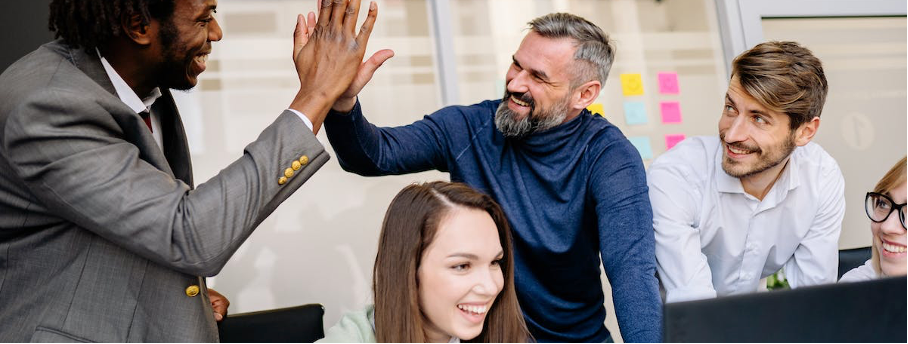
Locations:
{"points": [[712, 238], [129, 97], [864, 272]]}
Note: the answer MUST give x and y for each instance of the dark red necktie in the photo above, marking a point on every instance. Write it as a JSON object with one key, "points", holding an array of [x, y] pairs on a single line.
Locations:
{"points": [[147, 118]]}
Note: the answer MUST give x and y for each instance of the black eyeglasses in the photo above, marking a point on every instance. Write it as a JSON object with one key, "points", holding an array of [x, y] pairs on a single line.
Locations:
{"points": [[879, 206]]}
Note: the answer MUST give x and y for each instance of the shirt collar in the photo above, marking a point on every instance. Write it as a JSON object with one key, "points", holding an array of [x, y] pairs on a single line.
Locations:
{"points": [[126, 94], [728, 184]]}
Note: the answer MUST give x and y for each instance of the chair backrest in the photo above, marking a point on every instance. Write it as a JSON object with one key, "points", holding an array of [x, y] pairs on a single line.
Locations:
{"points": [[850, 259], [300, 324]]}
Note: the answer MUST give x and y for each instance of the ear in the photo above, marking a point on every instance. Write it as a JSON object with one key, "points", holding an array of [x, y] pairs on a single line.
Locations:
{"points": [[135, 30], [586, 94], [806, 131]]}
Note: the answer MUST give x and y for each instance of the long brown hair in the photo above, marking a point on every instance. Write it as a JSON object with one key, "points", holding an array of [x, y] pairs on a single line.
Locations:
{"points": [[409, 227]]}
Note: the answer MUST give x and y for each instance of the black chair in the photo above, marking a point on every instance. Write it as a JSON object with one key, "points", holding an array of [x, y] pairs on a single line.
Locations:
{"points": [[850, 259], [300, 324]]}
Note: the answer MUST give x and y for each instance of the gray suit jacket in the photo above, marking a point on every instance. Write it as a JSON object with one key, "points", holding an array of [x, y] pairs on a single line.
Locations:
{"points": [[102, 235]]}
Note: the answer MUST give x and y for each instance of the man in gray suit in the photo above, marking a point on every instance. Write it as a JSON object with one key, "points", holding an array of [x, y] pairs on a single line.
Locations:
{"points": [[102, 235]]}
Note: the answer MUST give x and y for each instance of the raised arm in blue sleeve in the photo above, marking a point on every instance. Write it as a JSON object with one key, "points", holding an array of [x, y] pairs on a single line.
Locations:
{"points": [[368, 150]]}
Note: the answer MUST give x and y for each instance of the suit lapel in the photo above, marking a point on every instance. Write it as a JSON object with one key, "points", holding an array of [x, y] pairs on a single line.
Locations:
{"points": [[176, 148], [134, 128]]}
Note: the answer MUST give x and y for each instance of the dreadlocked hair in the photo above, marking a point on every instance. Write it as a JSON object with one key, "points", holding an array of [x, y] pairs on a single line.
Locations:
{"points": [[91, 23]]}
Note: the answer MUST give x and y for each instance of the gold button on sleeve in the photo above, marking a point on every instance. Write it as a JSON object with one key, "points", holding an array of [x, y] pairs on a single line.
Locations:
{"points": [[304, 160], [282, 181], [192, 290], [288, 172], [296, 165]]}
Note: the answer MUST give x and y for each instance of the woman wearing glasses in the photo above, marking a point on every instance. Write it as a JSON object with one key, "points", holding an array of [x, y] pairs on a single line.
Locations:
{"points": [[886, 208]]}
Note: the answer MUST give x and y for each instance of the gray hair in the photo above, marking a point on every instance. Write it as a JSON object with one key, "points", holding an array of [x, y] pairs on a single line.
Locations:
{"points": [[593, 46]]}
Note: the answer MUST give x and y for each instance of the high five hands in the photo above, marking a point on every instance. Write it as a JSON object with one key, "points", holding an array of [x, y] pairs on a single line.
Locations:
{"points": [[328, 55]]}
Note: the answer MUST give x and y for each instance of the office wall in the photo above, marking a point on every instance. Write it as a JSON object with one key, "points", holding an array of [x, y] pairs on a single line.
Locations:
{"points": [[864, 120], [24, 27]]}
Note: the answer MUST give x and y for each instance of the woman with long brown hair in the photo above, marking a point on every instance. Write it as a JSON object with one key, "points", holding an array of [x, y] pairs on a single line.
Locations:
{"points": [[444, 272]]}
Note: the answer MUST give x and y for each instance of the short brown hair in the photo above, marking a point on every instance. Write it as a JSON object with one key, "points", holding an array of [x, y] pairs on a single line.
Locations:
{"points": [[409, 228], [784, 77]]}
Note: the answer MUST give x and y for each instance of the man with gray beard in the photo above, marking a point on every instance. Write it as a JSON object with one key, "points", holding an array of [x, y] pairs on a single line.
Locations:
{"points": [[571, 184]]}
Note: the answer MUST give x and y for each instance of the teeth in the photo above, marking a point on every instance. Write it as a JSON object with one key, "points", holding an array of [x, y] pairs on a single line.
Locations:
{"points": [[737, 151], [519, 102], [893, 248], [473, 309]]}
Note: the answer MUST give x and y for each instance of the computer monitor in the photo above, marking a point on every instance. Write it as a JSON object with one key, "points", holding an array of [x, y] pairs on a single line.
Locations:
{"points": [[872, 311]]}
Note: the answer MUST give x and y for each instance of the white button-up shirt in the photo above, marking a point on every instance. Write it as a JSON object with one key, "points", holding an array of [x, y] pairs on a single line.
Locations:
{"points": [[131, 99], [712, 238]]}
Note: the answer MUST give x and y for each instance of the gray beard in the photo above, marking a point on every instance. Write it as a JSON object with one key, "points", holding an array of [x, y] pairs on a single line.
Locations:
{"points": [[509, 126]]}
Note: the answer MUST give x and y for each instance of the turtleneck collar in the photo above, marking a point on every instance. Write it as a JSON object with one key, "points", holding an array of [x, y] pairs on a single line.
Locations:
{"points": [[554, 139]]}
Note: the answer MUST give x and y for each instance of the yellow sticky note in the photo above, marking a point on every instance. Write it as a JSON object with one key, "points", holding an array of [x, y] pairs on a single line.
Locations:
{"points": [[632, 84], [596, 109]]}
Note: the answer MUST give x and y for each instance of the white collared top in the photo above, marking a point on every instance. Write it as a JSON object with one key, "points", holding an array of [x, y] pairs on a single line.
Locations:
{"points": [[713, 239], [864, 272], [131, 99]]}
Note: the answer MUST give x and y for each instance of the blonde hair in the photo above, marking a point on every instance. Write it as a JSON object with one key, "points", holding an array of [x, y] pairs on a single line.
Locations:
{"points": [[892, 179]]}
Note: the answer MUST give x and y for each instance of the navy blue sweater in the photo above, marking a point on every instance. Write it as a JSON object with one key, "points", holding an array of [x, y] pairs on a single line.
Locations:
{"points": [[569, 193]]}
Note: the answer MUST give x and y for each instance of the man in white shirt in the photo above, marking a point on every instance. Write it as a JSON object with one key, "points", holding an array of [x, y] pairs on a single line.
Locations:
{"points": [[732, 209]]}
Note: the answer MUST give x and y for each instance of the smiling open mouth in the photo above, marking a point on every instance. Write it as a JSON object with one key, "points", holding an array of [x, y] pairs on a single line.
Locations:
{"points": [[476, 310], [474, 313], [519, 102], [893, 248], [737, 152], [202, 60]]}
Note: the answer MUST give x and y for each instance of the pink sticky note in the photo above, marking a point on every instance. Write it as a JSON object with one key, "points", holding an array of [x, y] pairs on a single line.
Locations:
{"points": [[671, 112], [672, 140], [668, 83]]}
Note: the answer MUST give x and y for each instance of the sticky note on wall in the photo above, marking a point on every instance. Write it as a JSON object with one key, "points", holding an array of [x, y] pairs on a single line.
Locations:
{"points": [[635, 113], [672, 140], [643, 146], [671, 112], [668, 83], [596, 109], [632, 84]]}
